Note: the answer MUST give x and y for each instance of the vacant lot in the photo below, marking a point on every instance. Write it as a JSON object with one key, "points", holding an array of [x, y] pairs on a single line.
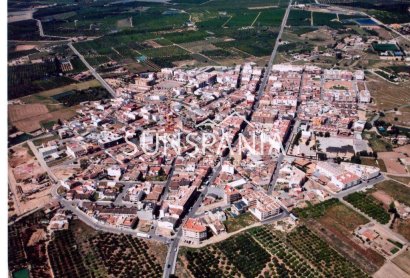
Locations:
{"points": [[386, 95], [402, 226], [396, 190], [84, 250], [402, 261], [391, 160], [236, 223]]}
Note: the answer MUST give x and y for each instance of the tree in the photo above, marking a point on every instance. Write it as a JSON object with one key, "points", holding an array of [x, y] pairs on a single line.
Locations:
{"points": [[392, 208], [297, 138], [356, 159]]}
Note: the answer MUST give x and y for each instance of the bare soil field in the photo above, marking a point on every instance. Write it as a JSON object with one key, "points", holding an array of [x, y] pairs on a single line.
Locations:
{"points": [[390, 270], [262, 7], [336, 227], [387, 95], [76, 86], [319, 37], [27, 117], [199, 46], [41, 107], [405, 180], [22, 166], [153, 43], [338, 83], [25, 111], [402, 227], [390, 159], [402, 261], [383, 197], [63, 172]]}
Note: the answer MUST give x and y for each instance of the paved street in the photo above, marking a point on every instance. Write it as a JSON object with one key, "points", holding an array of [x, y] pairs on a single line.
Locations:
{"points": [[93, 71]]}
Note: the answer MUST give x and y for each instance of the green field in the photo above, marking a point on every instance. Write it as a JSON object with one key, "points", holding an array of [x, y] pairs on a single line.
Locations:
{"points": [[368, 205], [28, 79], [379, 47], [262, 252]]}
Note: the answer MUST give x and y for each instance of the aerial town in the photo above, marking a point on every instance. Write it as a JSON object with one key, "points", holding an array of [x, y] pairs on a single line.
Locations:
{"points": [[194, 159]]}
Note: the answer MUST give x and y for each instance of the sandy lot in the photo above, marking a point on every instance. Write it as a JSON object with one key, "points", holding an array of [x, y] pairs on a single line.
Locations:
{"points": [[22, 165], [386, 95], [391, 161], [27, 117], [23, 47]]}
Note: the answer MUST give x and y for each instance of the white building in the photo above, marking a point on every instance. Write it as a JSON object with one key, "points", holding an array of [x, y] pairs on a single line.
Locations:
{"points": [[46, 151]]}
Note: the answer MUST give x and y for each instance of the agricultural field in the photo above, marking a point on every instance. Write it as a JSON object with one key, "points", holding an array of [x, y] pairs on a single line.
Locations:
{"points": [[387, 95], [157, 23], [405, 180], [369, 205], [32, 78], [83, 252], [13, 54], [402, 261], [273, 254], [335, 222], [41, 108], [315, 211], [299, 18], [397, 191], [72, 98]]}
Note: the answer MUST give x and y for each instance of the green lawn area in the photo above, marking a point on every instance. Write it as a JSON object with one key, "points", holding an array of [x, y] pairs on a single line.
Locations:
{"points": [[396, 190], [239, 222], [343, 218]]}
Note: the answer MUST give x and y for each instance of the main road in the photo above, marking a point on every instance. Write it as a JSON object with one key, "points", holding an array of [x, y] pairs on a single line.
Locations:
{"points": [[93, 71]]}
